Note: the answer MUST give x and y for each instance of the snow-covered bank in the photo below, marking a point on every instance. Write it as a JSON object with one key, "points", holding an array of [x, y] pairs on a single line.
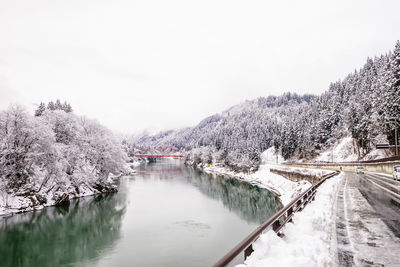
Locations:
{"points": [[284, 188], [11, 204], [304, 171], [54, 156], [309, 241]]}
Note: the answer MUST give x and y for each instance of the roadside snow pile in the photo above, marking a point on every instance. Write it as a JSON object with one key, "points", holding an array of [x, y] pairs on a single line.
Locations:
{"points": [[343, 150], [303, 171], [378, 154], [284, 188], [271, 156], [309, 241]]}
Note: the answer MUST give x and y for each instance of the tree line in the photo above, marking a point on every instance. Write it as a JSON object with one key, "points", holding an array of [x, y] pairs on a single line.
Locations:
{"points": [[53, 106]]}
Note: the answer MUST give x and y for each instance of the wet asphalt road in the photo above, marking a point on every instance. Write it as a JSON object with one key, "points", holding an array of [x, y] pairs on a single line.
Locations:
{"points": [[383, 194], [367, 220]]}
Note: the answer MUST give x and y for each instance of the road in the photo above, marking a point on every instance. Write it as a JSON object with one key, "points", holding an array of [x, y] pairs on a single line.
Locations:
{"points": [[368, 220]]}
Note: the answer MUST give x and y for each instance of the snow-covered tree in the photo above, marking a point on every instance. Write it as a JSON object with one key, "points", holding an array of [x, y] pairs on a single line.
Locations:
{"points": [[58, 105], [41, 108], [25, 145], [55, 154], [51, 106], [66, 107]]}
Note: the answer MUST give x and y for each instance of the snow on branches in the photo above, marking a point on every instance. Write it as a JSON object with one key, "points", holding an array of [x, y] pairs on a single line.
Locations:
{"points": [[43, 157]]}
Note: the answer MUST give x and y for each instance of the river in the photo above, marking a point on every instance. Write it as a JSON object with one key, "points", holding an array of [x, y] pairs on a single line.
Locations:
{"points": [[167, 214]]}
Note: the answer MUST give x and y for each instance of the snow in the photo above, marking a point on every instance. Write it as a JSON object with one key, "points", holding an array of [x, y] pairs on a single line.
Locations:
{"points": [[12, 204], [135, 163], [282, 187], [382, 174], [377, 154], [309, 241], [345, 150], [271, 156], [304, 171], [46, 158]]}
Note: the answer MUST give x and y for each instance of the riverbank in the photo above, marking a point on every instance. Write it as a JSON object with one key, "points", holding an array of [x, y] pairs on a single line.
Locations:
{"points": [[36, 198], [285, 189], [20, 202]]}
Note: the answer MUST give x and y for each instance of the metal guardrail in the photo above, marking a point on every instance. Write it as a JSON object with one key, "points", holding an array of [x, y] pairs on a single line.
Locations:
{"points": [[395, 158], [277, 221], [382, 160]]}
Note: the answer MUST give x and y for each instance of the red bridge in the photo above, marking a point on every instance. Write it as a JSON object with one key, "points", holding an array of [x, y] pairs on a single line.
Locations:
{"points": [[159, 152], [157, 156]]}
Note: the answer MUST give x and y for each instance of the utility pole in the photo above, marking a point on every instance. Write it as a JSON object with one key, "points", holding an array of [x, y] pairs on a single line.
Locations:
{"points": [[395, 140], [362, 144], [363, 152], [396, 108]]}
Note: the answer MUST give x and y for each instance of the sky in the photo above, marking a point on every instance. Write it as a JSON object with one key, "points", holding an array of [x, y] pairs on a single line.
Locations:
{"points": [[157, 65]]}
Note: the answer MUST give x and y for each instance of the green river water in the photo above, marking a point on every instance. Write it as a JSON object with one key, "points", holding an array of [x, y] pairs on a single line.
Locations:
{"points": [[165, 215]]}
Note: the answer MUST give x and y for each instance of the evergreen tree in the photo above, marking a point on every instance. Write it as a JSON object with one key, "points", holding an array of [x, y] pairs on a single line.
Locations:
{"points": [[391, 93], [66, 107], [41, 108], [58, 105], [51, 106]]}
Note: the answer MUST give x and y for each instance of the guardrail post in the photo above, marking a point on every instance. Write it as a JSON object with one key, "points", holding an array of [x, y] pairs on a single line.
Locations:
{"points": [[290, 212], [276, 225], [248, 251], [300, 203]]}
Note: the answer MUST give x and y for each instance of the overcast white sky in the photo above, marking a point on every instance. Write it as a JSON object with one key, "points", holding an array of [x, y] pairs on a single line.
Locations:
{"points": [[167, 64]]}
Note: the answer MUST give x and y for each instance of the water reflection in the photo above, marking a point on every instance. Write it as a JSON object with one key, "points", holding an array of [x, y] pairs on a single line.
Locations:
{"points": [[62, 236], [250, 202], [187, 217], [162, 169]]}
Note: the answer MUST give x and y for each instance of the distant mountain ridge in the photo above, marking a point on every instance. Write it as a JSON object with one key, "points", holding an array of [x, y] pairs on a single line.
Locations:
{"points": [[365, 106]]}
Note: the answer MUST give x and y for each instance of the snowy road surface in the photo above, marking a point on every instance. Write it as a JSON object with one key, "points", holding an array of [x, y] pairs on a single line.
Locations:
{"points": [[366, 222]]}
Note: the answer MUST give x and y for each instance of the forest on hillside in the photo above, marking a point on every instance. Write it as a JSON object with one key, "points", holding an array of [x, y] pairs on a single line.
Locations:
{"points": [[364, 105]]}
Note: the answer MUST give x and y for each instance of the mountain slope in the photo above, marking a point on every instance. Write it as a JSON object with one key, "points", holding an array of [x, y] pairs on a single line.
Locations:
{"points": [[364, 106]]}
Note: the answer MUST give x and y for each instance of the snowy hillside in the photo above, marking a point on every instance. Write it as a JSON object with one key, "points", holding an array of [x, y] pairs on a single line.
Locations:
{"points": [[345, 150], [349, 118]]}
